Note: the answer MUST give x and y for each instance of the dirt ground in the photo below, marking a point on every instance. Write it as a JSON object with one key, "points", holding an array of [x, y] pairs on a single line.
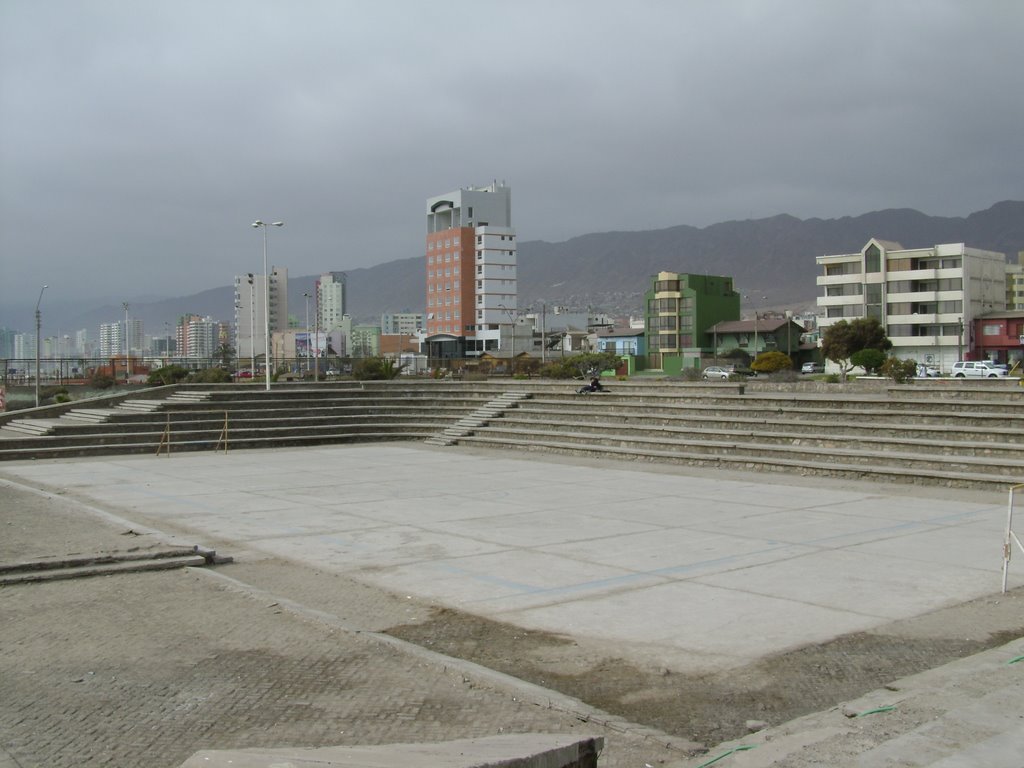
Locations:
{"points": [[713, 708]]}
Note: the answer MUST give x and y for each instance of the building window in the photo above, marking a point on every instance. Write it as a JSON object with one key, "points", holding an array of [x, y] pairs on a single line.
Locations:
{"points": [[992, 329], [872, 259]]}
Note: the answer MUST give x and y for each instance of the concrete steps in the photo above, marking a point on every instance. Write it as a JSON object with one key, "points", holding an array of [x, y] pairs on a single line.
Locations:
{"points": [[480, 417], [965, 436], [106, 564]]}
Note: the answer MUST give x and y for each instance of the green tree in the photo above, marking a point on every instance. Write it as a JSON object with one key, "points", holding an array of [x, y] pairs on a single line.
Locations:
{"points": [[841, 340], [868, 359], [770, 362]]}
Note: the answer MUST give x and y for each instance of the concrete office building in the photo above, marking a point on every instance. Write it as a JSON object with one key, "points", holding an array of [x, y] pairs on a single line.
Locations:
{"points": [[926, 298], [471, 288], [331, 300], [250, 323]]}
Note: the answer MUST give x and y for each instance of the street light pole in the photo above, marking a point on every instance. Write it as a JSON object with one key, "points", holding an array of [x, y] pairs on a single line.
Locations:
{"points": [[252, 325], [306, 296], [316, 324], [266, 293], [39, 325], [127, 350]]}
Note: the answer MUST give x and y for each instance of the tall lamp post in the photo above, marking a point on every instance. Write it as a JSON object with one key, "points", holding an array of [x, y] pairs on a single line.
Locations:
{"points": [[39, 325], [306, 297], [127, 348], [266, 293], [252, 324]]}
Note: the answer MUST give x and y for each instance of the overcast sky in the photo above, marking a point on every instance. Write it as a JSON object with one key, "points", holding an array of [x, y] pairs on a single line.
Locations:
{"points": [[140, 138]]}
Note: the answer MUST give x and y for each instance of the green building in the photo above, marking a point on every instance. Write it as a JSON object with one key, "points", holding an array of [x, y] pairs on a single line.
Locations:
{"points": [[679, 311]]}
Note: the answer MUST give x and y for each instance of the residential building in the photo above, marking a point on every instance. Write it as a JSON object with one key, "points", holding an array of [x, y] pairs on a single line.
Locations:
{"points": [[250, 319], [7, 343], [1015, 284], [364, 341], [926, 298], [401, 323], [111, 339], [762, 334], [471, 282], [135, 335], [680, 313], [203, 338], [999, 337], [24, 346], [331, 300], [82, 345]]}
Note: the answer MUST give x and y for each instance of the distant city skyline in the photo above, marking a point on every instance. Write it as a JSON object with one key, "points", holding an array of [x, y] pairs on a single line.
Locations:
{"points": [[136, 148]]}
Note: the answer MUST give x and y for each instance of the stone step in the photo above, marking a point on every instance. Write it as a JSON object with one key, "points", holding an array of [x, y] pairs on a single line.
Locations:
{"points": [[886, 472], [1008, 461]]}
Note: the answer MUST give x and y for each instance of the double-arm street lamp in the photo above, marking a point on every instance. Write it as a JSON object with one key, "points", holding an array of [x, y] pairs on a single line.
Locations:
{"points": [[306, 297], [252, 324], [266, 293], [39, 325]]}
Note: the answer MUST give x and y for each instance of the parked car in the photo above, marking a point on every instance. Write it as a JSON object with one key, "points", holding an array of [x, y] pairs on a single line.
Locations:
{"points": [[812, 368], [977, 368], [927, 372], [725, 371]]}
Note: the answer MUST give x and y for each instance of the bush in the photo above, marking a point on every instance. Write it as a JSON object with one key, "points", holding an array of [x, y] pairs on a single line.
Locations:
{"points": [[770, 362], [376, 369], [169, 374], [99, 381], [900, 371], [690, 374], [210, 376], [581, 366]]}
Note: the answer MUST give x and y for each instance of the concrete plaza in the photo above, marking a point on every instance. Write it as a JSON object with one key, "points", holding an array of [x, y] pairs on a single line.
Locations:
{"points": [[700, 573]]}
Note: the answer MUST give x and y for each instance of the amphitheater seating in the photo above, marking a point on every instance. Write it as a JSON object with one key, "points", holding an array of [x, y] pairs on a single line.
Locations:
{"points": [[947, 434]]}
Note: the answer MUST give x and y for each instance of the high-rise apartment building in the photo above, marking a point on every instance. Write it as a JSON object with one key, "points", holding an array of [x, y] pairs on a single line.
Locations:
{"points": [[331, 300], [250, 323], [111, 339], [7, 342], [471, 288], [136, 335], [926, 298]]}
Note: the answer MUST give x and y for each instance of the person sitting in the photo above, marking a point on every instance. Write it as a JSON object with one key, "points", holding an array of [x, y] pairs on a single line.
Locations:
{"points": [[593, 386]]}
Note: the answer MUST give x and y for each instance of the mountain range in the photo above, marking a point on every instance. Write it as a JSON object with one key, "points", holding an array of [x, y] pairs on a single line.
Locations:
{"points": [[771, 261]]}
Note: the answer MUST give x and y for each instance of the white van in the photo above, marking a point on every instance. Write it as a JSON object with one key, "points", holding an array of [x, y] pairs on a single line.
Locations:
{"points": [[982, 368]]}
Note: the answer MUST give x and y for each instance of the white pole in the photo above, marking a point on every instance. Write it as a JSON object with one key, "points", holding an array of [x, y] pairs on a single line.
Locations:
{"points": [[39, 325], [1010, 537], [266, 292]]}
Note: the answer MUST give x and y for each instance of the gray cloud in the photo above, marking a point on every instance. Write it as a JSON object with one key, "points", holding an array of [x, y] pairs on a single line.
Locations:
{"points": [[139, 140]]}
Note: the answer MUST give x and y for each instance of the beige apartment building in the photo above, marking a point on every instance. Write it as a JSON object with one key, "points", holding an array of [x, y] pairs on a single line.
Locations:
{"points": [[927, 298]]}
